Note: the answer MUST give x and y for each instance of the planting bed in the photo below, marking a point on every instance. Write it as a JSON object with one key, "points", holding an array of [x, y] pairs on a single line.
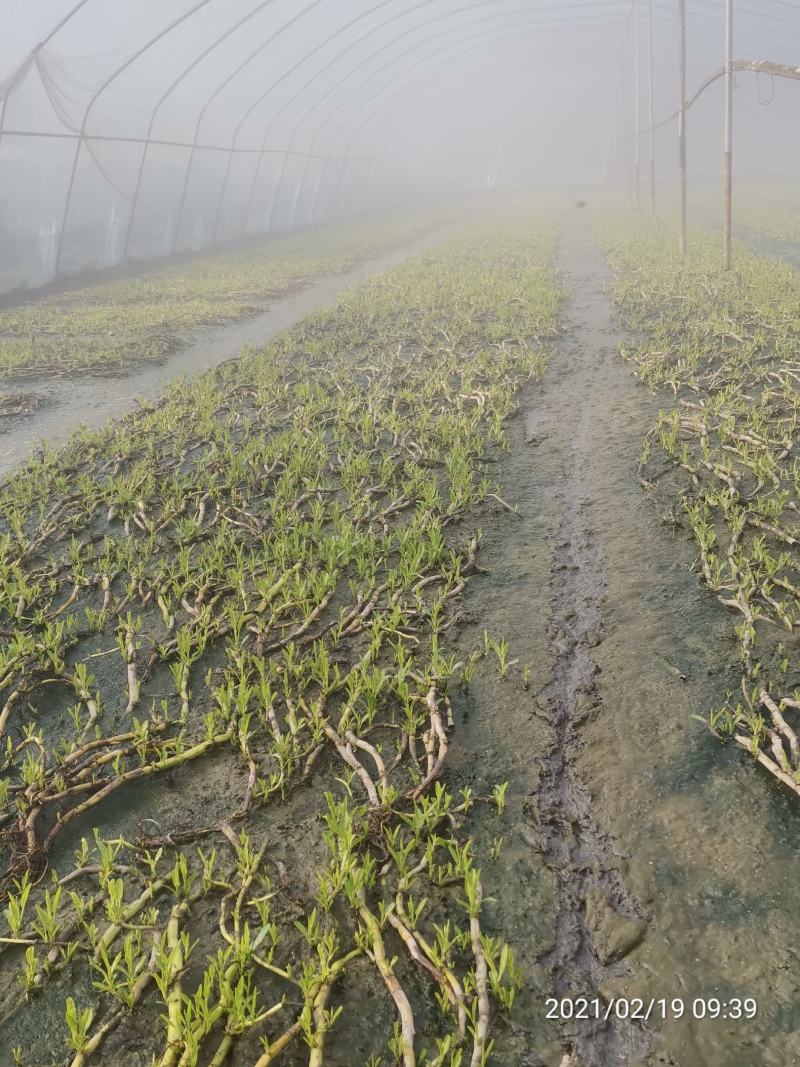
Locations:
{"points": [[354, 697], [113, 326], [726, 346], [230, 692], [778, 224]]}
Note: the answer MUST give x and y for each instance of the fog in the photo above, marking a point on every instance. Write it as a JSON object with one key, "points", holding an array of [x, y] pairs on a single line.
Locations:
{"points": [[176, 125]]}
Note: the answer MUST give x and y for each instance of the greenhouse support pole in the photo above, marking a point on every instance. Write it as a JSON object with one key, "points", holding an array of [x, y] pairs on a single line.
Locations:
{"points": [[314, 197], [624, 120], [636, 100], [651, 105], [277, 192], [625, 105], [682, 122], [341, 182], [299, 193], [318, 191], [727, 167], [630, 177]]}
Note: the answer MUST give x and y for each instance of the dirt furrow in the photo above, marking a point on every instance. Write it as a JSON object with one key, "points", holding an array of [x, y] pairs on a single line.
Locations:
{"points": [[653, 819], [597, 921], [623, 806]]}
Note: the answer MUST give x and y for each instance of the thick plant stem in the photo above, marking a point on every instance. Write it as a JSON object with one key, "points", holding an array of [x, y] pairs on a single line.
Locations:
{"points": [[174, 997], [317, 998], [395, 989], [133, 775], [436, 737], [481, 983]]}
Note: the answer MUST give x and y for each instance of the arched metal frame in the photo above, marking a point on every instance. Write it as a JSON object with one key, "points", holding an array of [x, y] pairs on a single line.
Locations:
{"points": [[414, 48], [271, 88], [432, 79], [165, 96], [34, 52], [373, 55], [406, 108], [332, 62], [754, 24], [95, 97], [483, 46], [306, 85], [227, 81], [318, 103]]}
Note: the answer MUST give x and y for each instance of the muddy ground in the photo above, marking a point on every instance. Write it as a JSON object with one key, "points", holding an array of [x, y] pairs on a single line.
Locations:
{"points": [[639, 858], [765, 245], [639, 831]]}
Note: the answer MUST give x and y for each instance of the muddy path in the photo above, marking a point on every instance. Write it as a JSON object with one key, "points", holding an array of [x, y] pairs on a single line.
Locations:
{"points": [[771, 247], [92, 399], [767, 245], [646, 860]]}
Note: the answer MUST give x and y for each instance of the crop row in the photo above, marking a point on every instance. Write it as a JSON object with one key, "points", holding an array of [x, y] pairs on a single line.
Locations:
{"points": [[117, 324], [726, 347], [249, 589]]}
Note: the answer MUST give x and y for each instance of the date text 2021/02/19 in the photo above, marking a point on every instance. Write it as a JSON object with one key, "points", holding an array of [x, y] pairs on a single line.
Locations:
{"points": [[640, 1009]]}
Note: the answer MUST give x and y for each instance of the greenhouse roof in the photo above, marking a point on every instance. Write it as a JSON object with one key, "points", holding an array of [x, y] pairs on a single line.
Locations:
{"points": [[152, 127]]}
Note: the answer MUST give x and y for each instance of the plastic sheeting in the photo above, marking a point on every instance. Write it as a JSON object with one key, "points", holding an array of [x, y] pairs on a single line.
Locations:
{"points": [[142, 129]]}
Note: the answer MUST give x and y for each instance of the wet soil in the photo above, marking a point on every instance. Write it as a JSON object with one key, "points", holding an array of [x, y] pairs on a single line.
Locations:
{"points": [[90, 399], [636, 856], [642, 859], [766, 245]]}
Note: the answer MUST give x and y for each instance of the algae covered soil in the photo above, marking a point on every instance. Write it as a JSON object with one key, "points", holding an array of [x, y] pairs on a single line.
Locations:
{"points": [[353, 694]]}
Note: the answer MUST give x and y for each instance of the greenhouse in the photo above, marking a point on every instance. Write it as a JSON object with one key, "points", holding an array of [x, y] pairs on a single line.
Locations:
{"points": [[399, 533]]}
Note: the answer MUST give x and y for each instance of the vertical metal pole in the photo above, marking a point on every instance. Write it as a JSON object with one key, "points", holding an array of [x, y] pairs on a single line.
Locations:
{"points": [[651, 107], [727, 168], [221, 197], [276, 194], [303, 179], [622, 119], [636, 100], [299, 189], [682, 121], [625, 101], [251, 195], [68, 200], [370, 181], [338, 189], [319, 189]]}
